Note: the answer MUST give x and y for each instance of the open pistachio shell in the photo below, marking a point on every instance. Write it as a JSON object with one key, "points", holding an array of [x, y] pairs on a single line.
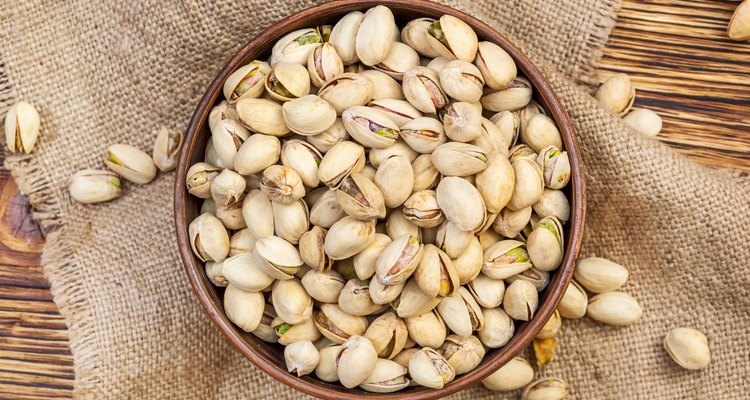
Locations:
{"points": [[574, 302], [508, 124], [301, 357], [346, 90], [343, 159], [243, 272], [462, 81], [295, 47], [435, 273], [387, 376], [323, 286], [529, 184], [397, 225], [505, 259], [130, 163], [398, 260], [324, 63], [384, 294], [422, 209], [546, 389], [533, 275], [498, 328], [546, 244], [337, 325], [469, 263], [356, 361], [199, 179], [227, 188], [458, 159], [388, 335], [555, 167], [261, 116], [370, 127], [247, 81], [616, 94], [343, 37], [415, 35], [413, 302], [540, 132], [287, 81], [422, 89], [462, 353], [231, 214], [496, 65], [487, 292], [312, 249], [375, 35], [400, 58], [325, 140], [257, 208], [426, 176], [290, 333], [326, 369], [92, 186], [384, 86], [303, 158], [291, 302], [364, 261], [223, 110], [428, 368], [209, 238], [282, 184], [290, 220], [241, 242], [461, 312], [277, 257], [614, 308], [423, 134], [453, 38], [509, 223], [360, 198], [244, 309], [167, 149], [688, 347], [461, 203], [496, 182], [600, 275], [553, 203], [451, 240], [395, 179]]}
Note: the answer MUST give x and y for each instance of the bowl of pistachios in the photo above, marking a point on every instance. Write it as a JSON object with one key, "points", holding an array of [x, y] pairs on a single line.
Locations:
{"points": [[379, 199]]}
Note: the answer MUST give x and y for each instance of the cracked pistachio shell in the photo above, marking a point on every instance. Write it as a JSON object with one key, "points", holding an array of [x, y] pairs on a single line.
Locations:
{"points": [[303, 158], [453, 38], [463, 122], [227, 137], [469, 263], [461, 312], [400, 59], [422, 209], [291, 302], [388, 334], [435, 273], [510, 223], [370, 127], [551, 327], [600, 275], [376, 156], [387, 377], [458, 159], [521, 300], [227, 187], [541, 132], [288, 333], [244, 309], [287, 81], [215, 274], [199, 179], [337, 325], [521, 151], [343, 159], [415, 34], [487, 292], [323, 286], [93, 186], [375, 35], [498, 328], [462, 353], [257, 153], [277, 257], [167, 149], [241, 242], [308, 115], [395, 179], [301, 357], [461, 203], [231, 214], [130, 163], [243, 272], [347, 90], [739, 25], [508, 124], [348, 237], [462, 81], [496, 65], [257, 209], [574, 302], [546, 389], [491, 139], [426, 176], [496, 182], [384, 86], [364, 261], [533, 275], [326, 369], [427, 330], [384, 294], [22, 127], [324, 63], [325, 140], [295, 47], [282, 184], [644, 121], [356, 361], [616, 94], [312, 250], [514, 375], [555, 167], [221, 111], [262, 116], [326, 211], [515, 96], [451, 240], [545, 244], [422, 89], [397, 225], [423, 134], [290, 220], [400, 111], [553, 203], [614, 308], [343, 37], [505, 259], [360, 198], [529, 184], [413, 302], [209, 238], [688, 348], [430, 369], [246, 82], [399, 260]]}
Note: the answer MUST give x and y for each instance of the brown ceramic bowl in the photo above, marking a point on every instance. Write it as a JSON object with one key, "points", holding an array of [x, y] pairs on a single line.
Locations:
{"points": [[269, 357]]}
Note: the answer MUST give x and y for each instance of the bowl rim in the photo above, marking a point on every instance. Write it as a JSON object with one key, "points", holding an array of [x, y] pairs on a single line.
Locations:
{"points": [[543, 91]]}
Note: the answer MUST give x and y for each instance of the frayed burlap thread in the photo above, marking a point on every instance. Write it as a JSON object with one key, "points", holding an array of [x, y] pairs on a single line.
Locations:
{"points": [[118, 71]]}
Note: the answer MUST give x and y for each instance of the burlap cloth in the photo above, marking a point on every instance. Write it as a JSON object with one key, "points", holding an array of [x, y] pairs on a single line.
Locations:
{"points": [[107, 73]]}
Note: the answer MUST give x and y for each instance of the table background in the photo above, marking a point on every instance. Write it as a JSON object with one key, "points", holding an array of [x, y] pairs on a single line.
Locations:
{"points": [[676, 53]]}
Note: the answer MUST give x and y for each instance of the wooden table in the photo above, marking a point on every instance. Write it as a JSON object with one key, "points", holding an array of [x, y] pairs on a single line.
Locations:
{"points": [[676, 52]]}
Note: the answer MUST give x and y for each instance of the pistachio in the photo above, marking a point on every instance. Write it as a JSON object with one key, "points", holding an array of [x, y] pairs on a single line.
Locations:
{"points": [[223, 110], [644, 120], [262, 116], [364, 261], [545, 244], [413, 302], [529, 111], [324, 63], [355, 361], [422, 89], [227, 188], [422, 209], [337, 325], [291, 302], [426, 176], [387, 376], [498, 328], [514, 375], [323, 286], [400, 111], [326, 211], [600, 275], [458, 159], [461, 312], [463, 121], [395, 179], [508, 124], [93, 186], [257, 208], [346, 90], [397, 225], [414, 34], [551, 327], [616, 94], [130, 163], [375, 35], [533, 275], [231, 214], [487, 292], [461, 203], [282, 184], [614, 308], [489, 237], [355, 298], [451, 240], [288, 81], [21, 127], [540, 132], [510, 223], [438, 63], [241, 242], [435, 273], [469, 263], [288, 333], [215, 273], [427, 330], [529, 184], [167, 149], [453, 39], [399, 260], [739, 25], [515, 96], [428, 368], [555, 167], [574, 301], [370, 127], [290, 220], [376, 156], [360, 198], [491, 139], [343, 159], [384, 86], [343, 36], [384, 294], [246, 82], [423, 134], [688, 348], [462, 353], [348, 237], [295, 47], [244, 309], [208, 238], [462, 81], [496, 65], [521, 151], [303, 158], [400, 58], [243, 272], [546, 389], [521, 300], [277, 257], [199, 179], [312, 250], [496, 182], [308, 115], [387, 333], [301, 357], [326, 369]]}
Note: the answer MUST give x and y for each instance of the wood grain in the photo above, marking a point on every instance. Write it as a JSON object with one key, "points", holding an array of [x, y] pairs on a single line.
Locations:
{"points": [[676, 52]]}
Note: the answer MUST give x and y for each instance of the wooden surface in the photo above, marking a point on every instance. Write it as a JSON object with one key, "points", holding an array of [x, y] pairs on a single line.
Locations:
{"points": [[676, 52]]}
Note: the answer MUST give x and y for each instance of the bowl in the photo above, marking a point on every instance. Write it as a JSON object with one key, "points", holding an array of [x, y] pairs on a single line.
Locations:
{"points": [[269, 357]]}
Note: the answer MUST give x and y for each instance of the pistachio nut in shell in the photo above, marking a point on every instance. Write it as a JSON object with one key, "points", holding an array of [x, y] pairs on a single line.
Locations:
{"points": [[323, 286], [551, 327], [489, 236], [492, 139], [326, 369], [257, 153], [288, 333], [533, 275], [282, 184], [301, 357], [257, 208], [426, 176], [739, 25], [422, 209], [348, 237], [458, 159], [521, 151], [384, 86], [231, 214], [515, 96], [413, 302], [130, 163], [437, 64], [308, 115], [399, 260], [414, 34], [167, 149], [360, 198], [384, 294], [279, 258], [529, 184], [462, 81], [324, 63], [243, 272], [451, 240], [508, 124], [574, 301], [397, 225], [387, 376], [555, 167], [427, 330], [364, 261], [355, 298], [21, 127], [291, 220], [291, 301], [453, 38], [375, 35], [616, 94], [614, 308], [644, 120], [461, 313], [540, 132], [221, 111], [199, 179], [287, 81], [487, 292], [688, 347], [94, 186], [337, 325], [463, 121], [343, 37], [343, 159], [495, 64], [327, 211], [395, 179], [469, 263], [510, 223], [262, 116], [325, 140], [400, 111], [400, 58], [295, 47], [514, 375], [435, 273], [208, 238], [498, 328], [347, 90], [545, 244], [246, 82], [388, 334], [521, 300], [376, 156], [462, 353], [355, 361], [303, 158], [600, 275], [227, 188], [496, 182], [214, 272], [244, 309], [242, 241], [461, 203], [422, 89], [312, 250], [430, 369], [370, 127], [423, 134]]}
